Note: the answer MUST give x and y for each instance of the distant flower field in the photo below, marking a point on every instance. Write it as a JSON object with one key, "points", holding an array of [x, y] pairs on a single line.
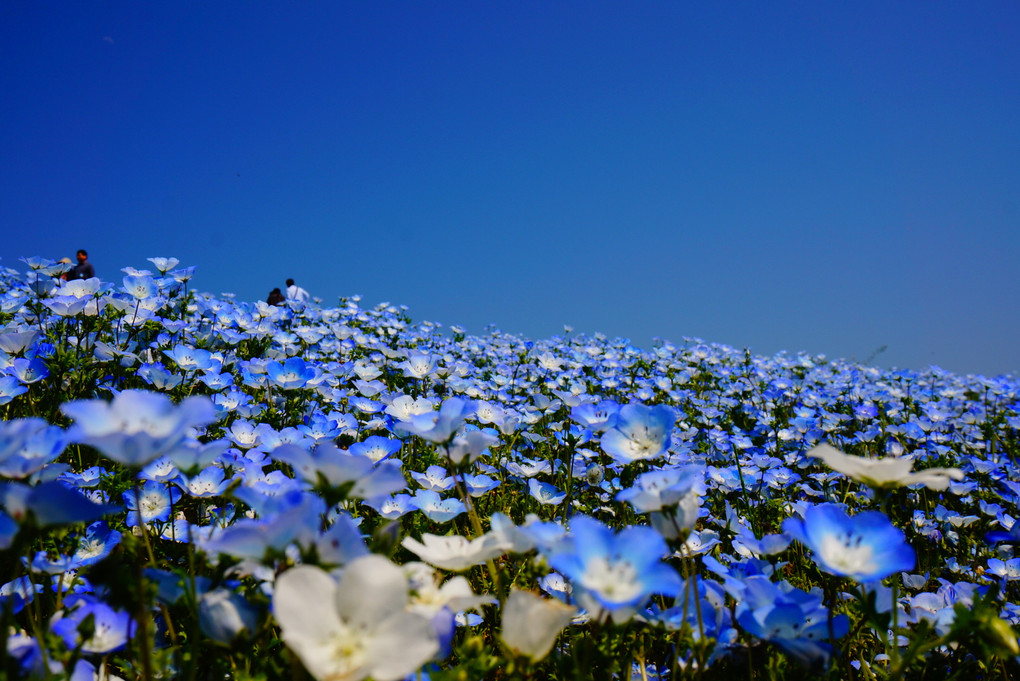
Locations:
{"points": [[198, 488]]}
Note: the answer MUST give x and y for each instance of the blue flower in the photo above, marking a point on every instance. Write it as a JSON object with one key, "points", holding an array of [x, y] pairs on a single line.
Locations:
{"points": [[189, 359], [10, 387], [151, 503], [865, 547], [434, 478], [164, 265], [439, 426], [640, 433], [137, 426], [393, 507], [478, 485], [437, 509], [66, 306], [376, 448], [210, 482], [97, 543], [793, 619], [140, 286], [597, 418], [158, 376], [614, 574], [111, 628], [545, 493], [28, 370], [294, 373], [50, 503], [654, 490], [26, 445]]}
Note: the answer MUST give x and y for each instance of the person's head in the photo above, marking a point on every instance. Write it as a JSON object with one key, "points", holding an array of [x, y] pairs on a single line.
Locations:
{"points": [[290, 282], [83, 255], [275, 291]]}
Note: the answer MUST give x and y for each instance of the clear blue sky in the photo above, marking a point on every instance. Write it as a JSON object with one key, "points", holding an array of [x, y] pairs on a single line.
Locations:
{"points": [[828, 177]]}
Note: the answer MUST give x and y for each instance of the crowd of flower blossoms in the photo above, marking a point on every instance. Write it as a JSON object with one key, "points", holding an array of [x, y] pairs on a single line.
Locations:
{"points": [[195, 487]]}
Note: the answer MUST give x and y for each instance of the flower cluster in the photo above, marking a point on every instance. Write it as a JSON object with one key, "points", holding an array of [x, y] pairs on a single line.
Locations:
{"points": [[191, 484]]}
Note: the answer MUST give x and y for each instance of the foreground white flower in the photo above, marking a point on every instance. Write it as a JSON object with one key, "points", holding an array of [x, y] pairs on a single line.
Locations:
{"points": [[887, 472], [532, 623], [355, 628]]}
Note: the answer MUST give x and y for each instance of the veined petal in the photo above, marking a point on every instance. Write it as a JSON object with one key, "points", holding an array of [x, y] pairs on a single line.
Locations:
{"points": [[371, 589], [400, 645], [304, 603]]}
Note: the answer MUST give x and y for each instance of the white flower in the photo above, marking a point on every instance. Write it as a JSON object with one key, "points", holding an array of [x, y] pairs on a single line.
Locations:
{"points": [[887, 472], [532, 623], [428, 598], [355, 628], [454, 552]]}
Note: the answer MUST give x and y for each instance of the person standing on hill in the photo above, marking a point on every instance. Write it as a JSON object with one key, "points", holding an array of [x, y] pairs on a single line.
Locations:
{"points": [[84, 269], [296, 293]]}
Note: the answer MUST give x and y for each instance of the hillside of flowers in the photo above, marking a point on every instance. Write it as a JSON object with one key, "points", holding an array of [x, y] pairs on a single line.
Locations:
{"points": [[194, 487]]}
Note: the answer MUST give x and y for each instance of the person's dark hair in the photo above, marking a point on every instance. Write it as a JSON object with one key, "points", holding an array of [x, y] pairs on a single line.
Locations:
{"points": [[82, 251], [275, 290], [290, 282]]}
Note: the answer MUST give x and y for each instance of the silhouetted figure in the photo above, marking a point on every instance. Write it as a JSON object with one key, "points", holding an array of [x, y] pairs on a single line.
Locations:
{"points": [[275, 297], [84, 269], [295, 292]]}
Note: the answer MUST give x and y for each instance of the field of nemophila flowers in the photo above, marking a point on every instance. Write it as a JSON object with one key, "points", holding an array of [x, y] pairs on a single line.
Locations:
{"points": [[198, 488]]}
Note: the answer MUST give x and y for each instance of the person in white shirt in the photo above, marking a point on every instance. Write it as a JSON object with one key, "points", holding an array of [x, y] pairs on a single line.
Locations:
{"points": [[295, 292]]}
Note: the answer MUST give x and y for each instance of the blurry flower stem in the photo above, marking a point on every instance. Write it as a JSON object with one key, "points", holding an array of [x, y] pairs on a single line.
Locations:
{"points": [[894, 639], [193, 634], [34, 616], [142, 614], [566, 505], [476, 523], [690, 570]]}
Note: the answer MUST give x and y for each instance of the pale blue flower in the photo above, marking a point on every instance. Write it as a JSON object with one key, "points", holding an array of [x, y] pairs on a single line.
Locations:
{"points": [[641, 433], [393, 507], [292, 374], [10, 387], [437, 509], [479, 485], [97, 543], [159, 377], [376, 448], [66, 306], [28, 371], [434, 478], [164, 265], [223, 615], [865, 547], [596, 417], [793, 619], [137, 426], [439, 426], [111, 628], [545, 493], [140, 286], [26, 445], [211, 482], [50, 503], [150, 503], [614, 574]]}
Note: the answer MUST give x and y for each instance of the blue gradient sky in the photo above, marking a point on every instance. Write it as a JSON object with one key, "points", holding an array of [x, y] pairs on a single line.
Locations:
{"points": [[828, 177]]}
